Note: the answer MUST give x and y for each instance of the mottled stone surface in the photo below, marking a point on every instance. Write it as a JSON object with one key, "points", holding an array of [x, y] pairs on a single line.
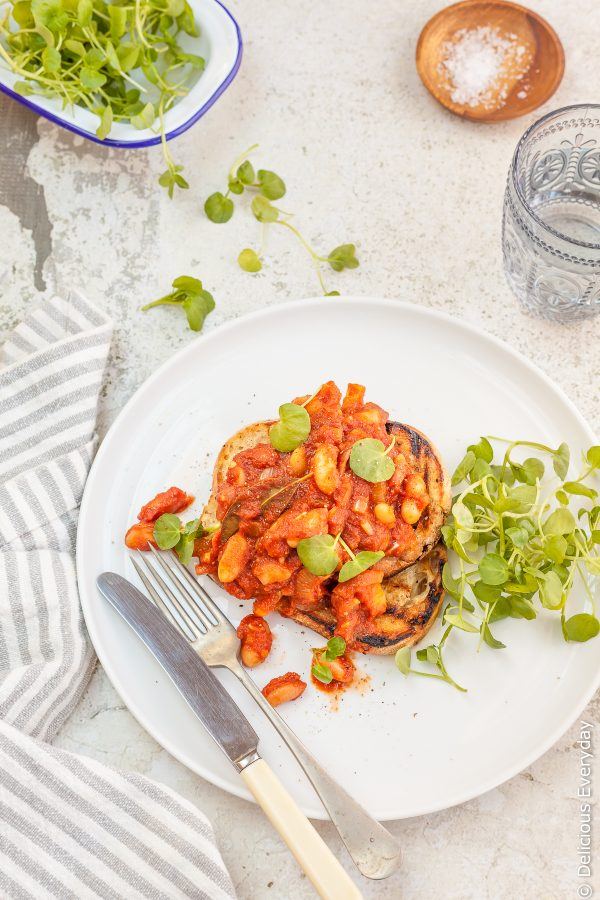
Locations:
{"points": [[331, 93]]}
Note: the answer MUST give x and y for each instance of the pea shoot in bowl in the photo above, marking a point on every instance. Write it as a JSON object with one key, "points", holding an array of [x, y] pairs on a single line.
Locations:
{"points": [[126, 74]]}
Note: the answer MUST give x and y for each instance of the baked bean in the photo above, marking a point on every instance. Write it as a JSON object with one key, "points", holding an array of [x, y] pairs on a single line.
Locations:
{"points": [[284, 688], [256, 639]]}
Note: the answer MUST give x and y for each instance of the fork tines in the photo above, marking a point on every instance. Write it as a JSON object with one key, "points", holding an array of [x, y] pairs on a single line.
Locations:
{"points": [[177, 593]]}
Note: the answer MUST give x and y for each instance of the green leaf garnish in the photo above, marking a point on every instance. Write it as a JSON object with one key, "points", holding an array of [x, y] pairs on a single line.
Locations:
{"points": [[322, 673], [167, 531], [336, 646], [171, 534], [593, 456], [457, 619], [318, 554], [582, 490], [245, 173], [402, 659], [249, 260], [561, 521], [197, 307], [263, 209], [361, 562], [482, 450], [561, 461], [581, 627], [464, 467], [190, 296], [145, 118], [171, 178], [271, 185], [292, 429], [343, 257], [369, 460], [106, 120], [489, 638], [218, 208], [551, 591], [493, 569]]}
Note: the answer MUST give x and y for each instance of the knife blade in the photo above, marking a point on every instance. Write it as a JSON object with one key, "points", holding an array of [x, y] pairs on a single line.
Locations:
{"points": [[218, 712]]}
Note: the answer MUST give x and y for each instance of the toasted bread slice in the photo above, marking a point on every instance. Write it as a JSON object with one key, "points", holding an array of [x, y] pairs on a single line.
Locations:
{"points": [[424, 460], [421, 455], [414, 597], [244, 439]]}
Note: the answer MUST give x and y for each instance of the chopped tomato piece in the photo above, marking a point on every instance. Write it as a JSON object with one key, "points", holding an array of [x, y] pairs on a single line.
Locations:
{"points": [[140, 536], [173, 500], [268, 571], [284, 688], [308, 590], [266, 604], [349, 614], [256, 639], [354, 399]]}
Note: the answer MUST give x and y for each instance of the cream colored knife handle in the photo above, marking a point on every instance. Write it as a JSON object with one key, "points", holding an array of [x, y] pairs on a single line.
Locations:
{"points": [[330, 879]]}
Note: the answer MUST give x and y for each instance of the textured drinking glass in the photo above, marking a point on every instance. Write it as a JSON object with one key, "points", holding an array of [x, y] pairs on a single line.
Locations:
{"points": [[551, 221]]}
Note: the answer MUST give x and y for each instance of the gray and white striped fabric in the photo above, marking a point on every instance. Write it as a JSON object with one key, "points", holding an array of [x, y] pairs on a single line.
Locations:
{"points": [[69, 827]]}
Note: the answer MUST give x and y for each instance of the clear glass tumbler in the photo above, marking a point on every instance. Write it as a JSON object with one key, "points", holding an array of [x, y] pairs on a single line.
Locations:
{"points": [[551, 221]]}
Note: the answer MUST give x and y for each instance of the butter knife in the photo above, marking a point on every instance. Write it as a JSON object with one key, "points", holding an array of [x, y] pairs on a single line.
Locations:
{"points": [[233, 734]]}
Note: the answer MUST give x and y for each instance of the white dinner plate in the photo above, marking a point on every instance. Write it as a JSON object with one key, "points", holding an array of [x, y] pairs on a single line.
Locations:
{"points": [[401, 746]]}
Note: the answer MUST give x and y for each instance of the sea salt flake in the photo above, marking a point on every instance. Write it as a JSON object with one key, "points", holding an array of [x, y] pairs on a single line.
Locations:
{"points": [[477, 64]]}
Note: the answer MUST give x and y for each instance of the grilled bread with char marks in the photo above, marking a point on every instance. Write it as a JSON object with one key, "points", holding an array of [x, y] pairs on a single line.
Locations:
{"points": [[414, 598]]}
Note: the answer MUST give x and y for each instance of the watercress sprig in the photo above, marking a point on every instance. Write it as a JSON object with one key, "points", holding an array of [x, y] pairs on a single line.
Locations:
{"points": [[219, 207], [433, 655], [123, 63], [190, 296], [292, 429], [342, 257], [358, 563], [170, 533], [518, 542], [369, 459], [266, 187], [320, 556], [335, 647]]}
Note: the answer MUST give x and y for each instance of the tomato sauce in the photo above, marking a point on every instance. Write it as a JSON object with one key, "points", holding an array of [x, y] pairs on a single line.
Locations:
{"points": [[276, 499]]}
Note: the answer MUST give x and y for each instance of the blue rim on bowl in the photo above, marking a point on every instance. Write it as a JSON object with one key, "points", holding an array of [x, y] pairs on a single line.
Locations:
{"points": [[146, 142]]}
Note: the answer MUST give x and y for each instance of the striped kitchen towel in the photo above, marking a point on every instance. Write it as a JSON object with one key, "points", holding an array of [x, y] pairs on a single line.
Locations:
{"points": [[69, 827]]}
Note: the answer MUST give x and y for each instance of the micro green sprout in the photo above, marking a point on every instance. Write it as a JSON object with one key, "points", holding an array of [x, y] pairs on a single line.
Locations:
{"points": [[121, 61], [190, 296], [518, 542], [266, 186]]}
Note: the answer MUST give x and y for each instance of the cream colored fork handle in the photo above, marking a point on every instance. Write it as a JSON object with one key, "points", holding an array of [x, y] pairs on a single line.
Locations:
{"points": [[329, 878], [375, 851]]}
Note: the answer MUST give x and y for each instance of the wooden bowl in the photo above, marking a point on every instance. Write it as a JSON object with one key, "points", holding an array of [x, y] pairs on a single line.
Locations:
{"points": [[541, 64]]}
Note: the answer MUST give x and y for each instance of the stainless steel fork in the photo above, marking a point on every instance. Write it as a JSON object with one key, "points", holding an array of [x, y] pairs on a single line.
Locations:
{"points": [[191, 608]]}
